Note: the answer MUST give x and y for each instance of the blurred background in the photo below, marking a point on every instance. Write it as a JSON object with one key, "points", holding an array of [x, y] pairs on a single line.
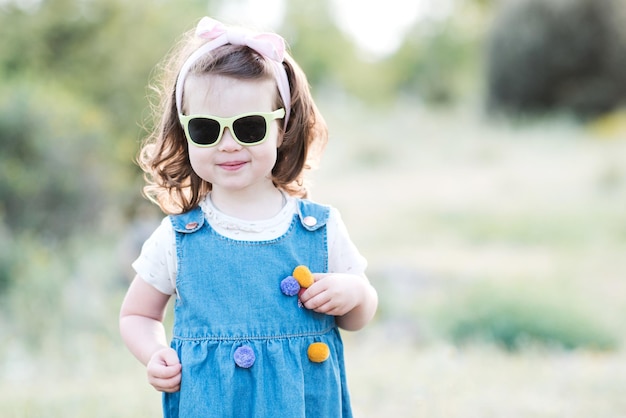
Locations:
{"points": [[477, 156]]}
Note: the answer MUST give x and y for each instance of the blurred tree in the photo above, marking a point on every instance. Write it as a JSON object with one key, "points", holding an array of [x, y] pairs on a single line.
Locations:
{"points": [[54, 174], [438, 61], [7, 259], [327, 56], [103, 49], [74, 93], [428, 65], [553, 54]]}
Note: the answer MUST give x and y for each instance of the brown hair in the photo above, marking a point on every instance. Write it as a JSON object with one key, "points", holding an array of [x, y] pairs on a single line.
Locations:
{"points": [[164, 156]]}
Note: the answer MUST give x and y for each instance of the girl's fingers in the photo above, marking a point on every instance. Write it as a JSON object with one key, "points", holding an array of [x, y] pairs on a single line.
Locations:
{"points": [[170, 384]]}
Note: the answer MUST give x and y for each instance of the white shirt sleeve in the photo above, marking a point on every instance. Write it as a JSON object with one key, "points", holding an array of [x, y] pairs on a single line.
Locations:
{"points": [[343, 256], [156, 263]]}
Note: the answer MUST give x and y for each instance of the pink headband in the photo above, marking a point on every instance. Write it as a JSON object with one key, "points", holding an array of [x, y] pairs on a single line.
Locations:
{"points": [[270, 45]]}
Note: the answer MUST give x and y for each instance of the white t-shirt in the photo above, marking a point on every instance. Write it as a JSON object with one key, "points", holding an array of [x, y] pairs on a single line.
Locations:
{"points": [[157, 262]]}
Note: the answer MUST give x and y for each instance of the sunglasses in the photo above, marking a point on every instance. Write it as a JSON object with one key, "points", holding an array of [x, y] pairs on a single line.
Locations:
{"points": [[247, 129]]}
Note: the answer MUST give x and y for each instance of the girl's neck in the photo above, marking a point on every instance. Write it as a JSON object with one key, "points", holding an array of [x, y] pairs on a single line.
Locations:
{"points": [[248, 206]]}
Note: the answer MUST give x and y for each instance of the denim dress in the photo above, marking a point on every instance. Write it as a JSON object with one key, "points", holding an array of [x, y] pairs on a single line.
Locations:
{"points": [[241, 341]]}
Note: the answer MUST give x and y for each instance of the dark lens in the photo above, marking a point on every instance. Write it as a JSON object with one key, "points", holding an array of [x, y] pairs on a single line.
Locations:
{"points": [[250, 129], [204, 131]]}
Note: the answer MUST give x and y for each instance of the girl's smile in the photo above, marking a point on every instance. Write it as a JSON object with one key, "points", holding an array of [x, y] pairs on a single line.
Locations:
{"points": [[232, 165]]}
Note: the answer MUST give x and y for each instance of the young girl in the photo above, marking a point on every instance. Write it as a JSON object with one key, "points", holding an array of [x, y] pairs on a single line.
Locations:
{"points": [[255, 335]]}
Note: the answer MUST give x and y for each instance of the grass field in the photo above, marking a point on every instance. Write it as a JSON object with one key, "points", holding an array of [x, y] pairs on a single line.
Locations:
{"points": [[441, 204]]}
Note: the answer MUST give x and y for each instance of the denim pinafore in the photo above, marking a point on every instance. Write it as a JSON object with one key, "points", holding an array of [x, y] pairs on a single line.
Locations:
{"points": [[230, 302]]}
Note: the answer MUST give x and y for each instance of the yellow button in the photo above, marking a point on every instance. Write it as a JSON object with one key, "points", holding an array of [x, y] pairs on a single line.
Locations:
{"points": [[318, 352]]}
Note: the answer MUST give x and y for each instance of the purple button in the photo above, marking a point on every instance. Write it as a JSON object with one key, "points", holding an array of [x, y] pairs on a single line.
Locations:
{"points": [[244, 357], [290, 286]]}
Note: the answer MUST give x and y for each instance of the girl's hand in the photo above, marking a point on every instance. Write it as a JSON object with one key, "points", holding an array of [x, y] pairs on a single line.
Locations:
{"points": [[332, 294], [164, 370], [347, 296]]}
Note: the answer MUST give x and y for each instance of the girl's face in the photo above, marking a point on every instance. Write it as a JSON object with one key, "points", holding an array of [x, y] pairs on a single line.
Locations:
{"points": [[230, 166]]}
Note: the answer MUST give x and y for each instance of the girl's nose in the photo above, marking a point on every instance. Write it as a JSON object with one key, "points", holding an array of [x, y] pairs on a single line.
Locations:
{"points": [[228, 143]]}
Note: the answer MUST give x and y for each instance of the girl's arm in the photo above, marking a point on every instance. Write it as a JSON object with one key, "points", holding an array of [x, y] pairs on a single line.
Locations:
{"points": [[349, 297], [346, 293], [141, 327]]}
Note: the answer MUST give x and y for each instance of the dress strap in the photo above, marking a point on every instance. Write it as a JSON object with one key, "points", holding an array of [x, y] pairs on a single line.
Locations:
{"points": [[312, 215], [188, 222]]}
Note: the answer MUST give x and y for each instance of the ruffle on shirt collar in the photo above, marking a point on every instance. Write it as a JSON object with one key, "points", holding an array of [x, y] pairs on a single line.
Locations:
{"points": [[220, 219]]}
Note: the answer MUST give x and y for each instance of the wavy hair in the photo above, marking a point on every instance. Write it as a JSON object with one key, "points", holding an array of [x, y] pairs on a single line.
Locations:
{"points": [[171, 182]]}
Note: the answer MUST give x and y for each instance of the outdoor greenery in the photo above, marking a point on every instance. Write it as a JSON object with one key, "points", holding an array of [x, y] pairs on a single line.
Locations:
{"points": [[74, 104], [518, 315], [495, 241], [547, 54]]}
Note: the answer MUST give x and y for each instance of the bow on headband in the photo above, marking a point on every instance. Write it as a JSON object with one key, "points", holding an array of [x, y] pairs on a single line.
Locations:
{"points": [[269, 45]]}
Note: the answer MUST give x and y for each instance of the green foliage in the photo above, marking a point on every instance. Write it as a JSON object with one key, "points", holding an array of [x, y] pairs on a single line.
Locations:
{"points": [[6, 259], [555, 55], [431, 63], [102, 49], [567, 231], [516, 316], [59, 292], [34, 299], [54, 165], [316, 43], [73, 98]]}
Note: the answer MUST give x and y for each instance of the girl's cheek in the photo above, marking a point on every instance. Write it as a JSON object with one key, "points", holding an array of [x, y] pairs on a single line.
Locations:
{"points": [[200, 162], [199, 156]]}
